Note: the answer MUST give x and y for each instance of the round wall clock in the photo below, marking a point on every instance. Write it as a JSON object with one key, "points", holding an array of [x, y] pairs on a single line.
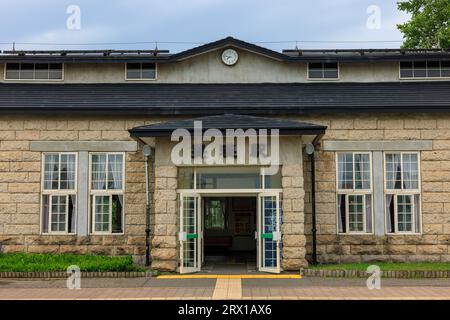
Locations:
{"points": [[230, 57]]}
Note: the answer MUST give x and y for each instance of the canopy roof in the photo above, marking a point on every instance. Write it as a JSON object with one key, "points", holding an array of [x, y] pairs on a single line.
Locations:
{"points": [[230, 121]]}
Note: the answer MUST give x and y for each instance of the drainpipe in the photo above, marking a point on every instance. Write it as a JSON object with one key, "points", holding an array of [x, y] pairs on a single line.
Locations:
{"points": [[147, 150], [309, 150]]}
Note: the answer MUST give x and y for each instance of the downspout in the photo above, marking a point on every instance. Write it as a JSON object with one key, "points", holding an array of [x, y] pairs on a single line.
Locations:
{"points": [[310, 150], [313, 208], [147, 150]]}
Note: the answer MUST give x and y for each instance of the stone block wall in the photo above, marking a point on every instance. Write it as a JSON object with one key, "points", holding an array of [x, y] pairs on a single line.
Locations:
{"points": [[434, 242], [293, 227], [20, 179], [165, 219], [20, 187]]}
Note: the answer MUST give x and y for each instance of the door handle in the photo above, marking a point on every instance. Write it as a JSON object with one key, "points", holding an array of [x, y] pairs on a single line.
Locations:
{"points": [[182, 236], [256, 235], [276, 235]]}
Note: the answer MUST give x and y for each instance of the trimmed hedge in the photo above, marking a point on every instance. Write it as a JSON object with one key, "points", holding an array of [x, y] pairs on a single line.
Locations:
{"points": [[38, 262]]}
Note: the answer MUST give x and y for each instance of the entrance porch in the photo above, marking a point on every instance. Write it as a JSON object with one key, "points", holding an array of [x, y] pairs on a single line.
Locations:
{"points": [[185, 238]]}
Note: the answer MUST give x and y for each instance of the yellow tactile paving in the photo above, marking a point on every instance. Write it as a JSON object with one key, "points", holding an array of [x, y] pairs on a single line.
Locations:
{"points": [[231, 276], [227, 289]]}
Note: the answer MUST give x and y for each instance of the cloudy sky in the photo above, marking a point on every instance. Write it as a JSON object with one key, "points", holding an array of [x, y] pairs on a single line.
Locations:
{"points": [[107, 23]]}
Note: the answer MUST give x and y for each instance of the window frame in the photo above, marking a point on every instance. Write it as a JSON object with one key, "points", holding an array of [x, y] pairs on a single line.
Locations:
{"points": [[106, 192], [354, 192], [403, 192], [141, 79], [34, 71], [426, 70], [323, 78], [58, 192]]}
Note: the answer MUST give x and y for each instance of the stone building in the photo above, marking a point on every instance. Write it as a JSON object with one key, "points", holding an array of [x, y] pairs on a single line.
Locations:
{"points": [[362, 138]]}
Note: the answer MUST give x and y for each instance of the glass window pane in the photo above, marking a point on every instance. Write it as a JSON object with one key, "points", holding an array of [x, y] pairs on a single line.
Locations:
{"points": [[393, 171], [58, 213], [55, 67], [406, 65], [41, 71], [404, 213], [330, 74], [362, 171], [445, 68], [115, 171], [342, 224], [356, 211], [315, 70], [420, 69], [72, 214], [45, 212], [390, 213], [410, 171], [269, 206], [345, 171], [330, 65], [229, 178], [273, 181], [368, 211], [67, 172], [98, 172], [101, 212], [445, 73], [55, 75], [407, 73], [26, 71], [117, 213], [315, 65], [417, 212], [51, 172], [433, 69], [148, 71], [133, 70], [185, 178], [315, 74], [12, 71]]}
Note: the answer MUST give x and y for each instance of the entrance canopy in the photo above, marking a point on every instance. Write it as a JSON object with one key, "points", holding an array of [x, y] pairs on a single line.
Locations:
{"points": [[230, 121]]}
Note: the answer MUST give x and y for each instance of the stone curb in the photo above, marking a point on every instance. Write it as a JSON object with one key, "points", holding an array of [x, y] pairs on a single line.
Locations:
{"points": [[60, 275], [384, 274]]}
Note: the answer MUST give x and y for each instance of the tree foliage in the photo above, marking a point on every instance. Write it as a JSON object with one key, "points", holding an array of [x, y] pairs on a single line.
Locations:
{"points": [[429, 26]]}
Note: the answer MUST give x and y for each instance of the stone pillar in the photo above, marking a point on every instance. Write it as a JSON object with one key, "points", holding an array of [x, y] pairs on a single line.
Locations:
{"points": [[164, 242], [293, 228]]}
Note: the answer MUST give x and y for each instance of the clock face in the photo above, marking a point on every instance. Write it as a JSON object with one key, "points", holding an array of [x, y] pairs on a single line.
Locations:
{"points": [[230, 57]]}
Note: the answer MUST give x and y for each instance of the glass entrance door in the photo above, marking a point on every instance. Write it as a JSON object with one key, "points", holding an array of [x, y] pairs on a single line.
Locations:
{"points": [[190, 234], [268, 232]]}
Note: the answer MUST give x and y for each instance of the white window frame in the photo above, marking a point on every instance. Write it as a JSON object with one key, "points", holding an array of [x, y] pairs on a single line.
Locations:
{"points": [[141, 79], [58, 192], [403, 192], [426, 69], [93, 193], [354, 192], [323, 78], [34, 69]]}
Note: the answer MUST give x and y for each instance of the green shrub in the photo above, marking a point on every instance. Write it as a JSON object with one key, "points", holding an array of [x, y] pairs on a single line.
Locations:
{"points": [[31, 262]]}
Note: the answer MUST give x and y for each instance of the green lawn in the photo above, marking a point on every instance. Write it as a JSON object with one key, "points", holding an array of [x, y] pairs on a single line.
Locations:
{"points": [[28, 262], [387, 266]]}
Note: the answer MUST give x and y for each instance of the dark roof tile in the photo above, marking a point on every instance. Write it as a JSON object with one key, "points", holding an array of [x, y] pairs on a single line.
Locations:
{"points": [[212, 99]]}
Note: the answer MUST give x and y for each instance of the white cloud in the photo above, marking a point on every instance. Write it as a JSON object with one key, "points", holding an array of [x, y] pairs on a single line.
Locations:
{"points": [[195, 20]]}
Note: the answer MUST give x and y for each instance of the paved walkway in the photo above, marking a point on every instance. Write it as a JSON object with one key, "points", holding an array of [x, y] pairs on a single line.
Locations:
{"points": [[225, 289]]}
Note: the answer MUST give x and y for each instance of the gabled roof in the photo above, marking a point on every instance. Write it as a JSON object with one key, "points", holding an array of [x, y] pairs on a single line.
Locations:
{"points": [[230, 121], [209, 99], [229, 42]]}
